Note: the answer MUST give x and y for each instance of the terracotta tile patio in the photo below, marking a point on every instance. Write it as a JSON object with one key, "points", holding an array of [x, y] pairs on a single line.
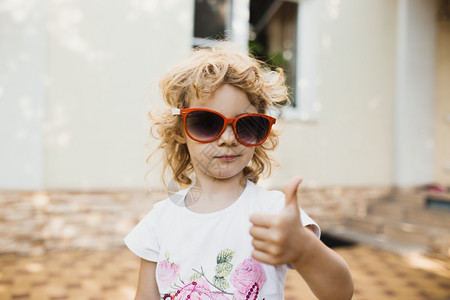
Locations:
{"points": [[96, 275]]}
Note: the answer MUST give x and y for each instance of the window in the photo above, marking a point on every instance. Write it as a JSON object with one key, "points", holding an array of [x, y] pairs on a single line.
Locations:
{"points": [[212, 19], [282, 32], [273, 37]]}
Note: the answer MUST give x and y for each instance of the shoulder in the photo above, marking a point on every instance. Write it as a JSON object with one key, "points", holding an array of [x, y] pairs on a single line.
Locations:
{"points": [[166, 206], [264, 199], [263, 192]]}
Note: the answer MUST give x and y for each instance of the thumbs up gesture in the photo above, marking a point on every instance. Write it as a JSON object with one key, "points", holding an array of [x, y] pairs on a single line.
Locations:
{"points": [[280, 239]]}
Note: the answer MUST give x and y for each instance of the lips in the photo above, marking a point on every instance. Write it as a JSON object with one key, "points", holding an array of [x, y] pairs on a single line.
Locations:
{"points": [[230, 157]]}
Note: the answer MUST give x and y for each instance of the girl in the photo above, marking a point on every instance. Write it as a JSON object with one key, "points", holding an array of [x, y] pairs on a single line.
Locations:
{"points": [[224, 237]]}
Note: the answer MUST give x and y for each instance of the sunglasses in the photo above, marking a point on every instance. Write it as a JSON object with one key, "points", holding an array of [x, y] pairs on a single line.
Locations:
{"points": [[206, 125]]}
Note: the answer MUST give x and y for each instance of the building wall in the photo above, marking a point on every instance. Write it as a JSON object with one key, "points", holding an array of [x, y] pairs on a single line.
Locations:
{"points": [[23, 48], [104, 63], [415, 93], [442, 115], [79, 79], [351, 142]]}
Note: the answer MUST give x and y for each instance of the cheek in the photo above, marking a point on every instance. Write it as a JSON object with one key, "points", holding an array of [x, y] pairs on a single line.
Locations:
{"points": [[249, 152], [200, 151]]}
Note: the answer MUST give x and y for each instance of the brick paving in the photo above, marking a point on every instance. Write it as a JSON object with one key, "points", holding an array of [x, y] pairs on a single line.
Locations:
{"points": [[59, 240], [104, 275]]}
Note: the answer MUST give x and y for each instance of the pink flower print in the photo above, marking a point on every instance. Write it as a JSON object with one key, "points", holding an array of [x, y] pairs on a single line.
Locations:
{"points": [[219, 296], [167, 273], [197, 290], [248, 275]]}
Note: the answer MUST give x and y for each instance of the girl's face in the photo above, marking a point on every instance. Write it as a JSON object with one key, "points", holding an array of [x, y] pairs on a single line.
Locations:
{"points": [[225, 157]]}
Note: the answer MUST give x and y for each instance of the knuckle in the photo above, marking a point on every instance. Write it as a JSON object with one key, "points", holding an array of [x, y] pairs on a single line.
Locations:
{"points": [[278, 237], [277, 221], [276, 251]]}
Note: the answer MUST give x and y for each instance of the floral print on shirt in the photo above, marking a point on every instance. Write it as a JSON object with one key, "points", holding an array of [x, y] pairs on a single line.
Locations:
{"points": [[247, 278]]}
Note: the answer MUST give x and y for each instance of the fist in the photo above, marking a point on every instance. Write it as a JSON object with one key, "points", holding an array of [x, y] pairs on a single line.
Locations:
{"points": [[277, 239]]}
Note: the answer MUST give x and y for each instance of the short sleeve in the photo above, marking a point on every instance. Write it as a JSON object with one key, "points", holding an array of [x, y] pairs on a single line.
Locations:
{"points": [[142, 239], [308, 221]]}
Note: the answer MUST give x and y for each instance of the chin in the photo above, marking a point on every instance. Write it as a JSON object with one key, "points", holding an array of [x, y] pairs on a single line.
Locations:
{"points": [[225, 176]]}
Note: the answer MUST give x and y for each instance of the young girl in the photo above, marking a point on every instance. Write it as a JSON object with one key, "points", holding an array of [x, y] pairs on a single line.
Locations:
{"points": [[224, 237]]}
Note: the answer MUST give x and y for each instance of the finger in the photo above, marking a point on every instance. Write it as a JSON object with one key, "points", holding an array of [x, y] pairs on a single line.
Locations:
{"points": [[264, 257], [261, 256], [259, 233], [290, 191], [261, 219], [259, 245], [271, 249]]}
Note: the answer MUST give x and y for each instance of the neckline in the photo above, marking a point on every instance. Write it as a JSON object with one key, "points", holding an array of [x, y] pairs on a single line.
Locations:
{"points": [[223, 211]]}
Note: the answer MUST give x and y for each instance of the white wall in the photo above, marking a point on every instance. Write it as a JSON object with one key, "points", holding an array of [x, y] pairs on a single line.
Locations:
{"points": [[105, 58], [442, 113], [22, 78], [351, 141], [414, 127], [77, 79]]}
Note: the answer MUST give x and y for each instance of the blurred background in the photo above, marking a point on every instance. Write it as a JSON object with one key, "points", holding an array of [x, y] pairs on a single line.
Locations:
{"points": [[368, 129]]}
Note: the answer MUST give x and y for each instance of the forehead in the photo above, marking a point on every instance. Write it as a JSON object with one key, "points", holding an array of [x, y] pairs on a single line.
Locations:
{"points": [[228, 100]]}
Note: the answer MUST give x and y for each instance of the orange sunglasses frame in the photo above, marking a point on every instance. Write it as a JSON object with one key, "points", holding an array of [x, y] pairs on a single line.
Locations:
{"points": [[185, 111]]}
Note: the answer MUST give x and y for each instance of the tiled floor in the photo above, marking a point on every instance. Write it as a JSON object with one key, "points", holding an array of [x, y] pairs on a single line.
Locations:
{"points": [[112, 275]]}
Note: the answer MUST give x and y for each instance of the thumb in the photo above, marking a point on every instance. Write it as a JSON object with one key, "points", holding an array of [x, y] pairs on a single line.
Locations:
{"points": [[290, 191]]}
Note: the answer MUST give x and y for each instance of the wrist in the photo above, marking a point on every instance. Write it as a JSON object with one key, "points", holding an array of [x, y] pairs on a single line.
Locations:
{"points": [[309, 246]]}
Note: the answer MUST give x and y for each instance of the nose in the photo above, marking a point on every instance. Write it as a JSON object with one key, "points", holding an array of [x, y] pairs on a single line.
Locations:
{"points": [[228, 137]]}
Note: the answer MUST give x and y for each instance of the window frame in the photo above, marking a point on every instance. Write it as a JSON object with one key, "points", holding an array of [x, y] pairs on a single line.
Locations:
{"points": [[308, 49]]}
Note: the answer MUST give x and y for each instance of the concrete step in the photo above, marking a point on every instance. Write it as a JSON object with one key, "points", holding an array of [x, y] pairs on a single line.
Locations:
{"points": [[436, 239], [388, 209], [440, 201], [406, 216], [429, 217], [410, 196], [379, 241], [368, 224], [411, 213], [412, 232]]}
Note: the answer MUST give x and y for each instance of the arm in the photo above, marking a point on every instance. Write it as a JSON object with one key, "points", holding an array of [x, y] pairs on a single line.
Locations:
{"points": [[147, 288], [282, 239], [325, 272]]}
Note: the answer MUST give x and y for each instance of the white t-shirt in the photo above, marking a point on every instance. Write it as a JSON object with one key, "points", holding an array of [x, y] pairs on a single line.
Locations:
{"points": [[208, 256]]}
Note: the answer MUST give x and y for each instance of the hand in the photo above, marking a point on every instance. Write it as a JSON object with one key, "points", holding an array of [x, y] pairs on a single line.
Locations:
{"points": [[279, 239], [282, 239]]}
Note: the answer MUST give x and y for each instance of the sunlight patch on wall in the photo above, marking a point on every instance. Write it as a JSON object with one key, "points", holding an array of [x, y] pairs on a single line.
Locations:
{"points": [[373, 103], [326, 42], [333, 8], [57, 119], [64, 22], [19, 10]]}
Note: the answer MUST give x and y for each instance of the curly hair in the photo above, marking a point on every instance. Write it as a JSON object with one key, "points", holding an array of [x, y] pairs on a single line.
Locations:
{"points": [[204, 72]]}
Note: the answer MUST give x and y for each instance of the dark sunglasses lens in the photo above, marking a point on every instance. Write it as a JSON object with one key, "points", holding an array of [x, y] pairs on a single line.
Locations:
{"points": [[204, 125], [252, 129]]}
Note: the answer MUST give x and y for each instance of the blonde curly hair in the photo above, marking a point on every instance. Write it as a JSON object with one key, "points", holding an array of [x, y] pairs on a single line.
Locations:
{"points": [[205, 71]]}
